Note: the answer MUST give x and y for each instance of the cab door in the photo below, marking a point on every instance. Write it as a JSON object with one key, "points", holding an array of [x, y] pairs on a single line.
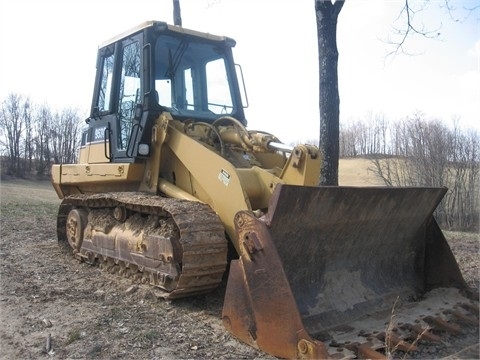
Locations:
{"points": [[129, 99], [117, 97]]}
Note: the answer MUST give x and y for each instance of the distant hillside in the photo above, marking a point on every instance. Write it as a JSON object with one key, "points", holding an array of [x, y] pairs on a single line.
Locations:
{"points": [[355, 172]]}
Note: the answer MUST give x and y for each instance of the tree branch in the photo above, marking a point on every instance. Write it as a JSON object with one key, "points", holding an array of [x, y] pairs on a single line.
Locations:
{"points": [[451, 10], [409, 29]]}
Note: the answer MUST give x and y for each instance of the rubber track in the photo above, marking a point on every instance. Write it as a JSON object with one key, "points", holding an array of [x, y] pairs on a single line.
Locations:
{"points": [[202, 234]]}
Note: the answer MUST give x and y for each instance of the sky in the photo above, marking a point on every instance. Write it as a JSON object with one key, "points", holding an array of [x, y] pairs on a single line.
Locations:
{"points": [[48, 52]]}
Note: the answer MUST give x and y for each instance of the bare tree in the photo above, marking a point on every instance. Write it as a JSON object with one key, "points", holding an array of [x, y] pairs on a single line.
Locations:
{"points": [[409, 22], [12, 124], [463, 201], [327, 12], [327, 15], [28, 153], [177, 15], [430, 154], [64, 136], [348, 141], [31, 136], [43, 121], [407, 25]]}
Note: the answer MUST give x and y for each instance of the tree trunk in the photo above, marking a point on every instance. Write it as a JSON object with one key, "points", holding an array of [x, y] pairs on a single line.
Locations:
{"points": [[327, 15], [177, 17]]}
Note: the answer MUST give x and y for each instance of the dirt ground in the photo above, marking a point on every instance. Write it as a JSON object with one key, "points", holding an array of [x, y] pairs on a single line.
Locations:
{"points": [[53, 307]]}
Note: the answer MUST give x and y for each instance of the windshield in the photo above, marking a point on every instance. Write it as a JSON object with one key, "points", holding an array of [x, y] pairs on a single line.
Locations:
{"points": [[191, 78]]}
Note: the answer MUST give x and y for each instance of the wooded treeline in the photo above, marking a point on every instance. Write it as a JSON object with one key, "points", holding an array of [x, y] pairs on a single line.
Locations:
{"points": [[32, 136], [423, 152], [413, 152]]}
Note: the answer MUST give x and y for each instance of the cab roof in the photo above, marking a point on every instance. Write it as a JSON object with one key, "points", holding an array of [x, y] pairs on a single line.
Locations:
{"points": [[164, 26]]}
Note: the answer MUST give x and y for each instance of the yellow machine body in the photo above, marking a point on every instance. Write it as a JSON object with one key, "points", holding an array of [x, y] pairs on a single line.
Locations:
{"points": [[168, 175]]}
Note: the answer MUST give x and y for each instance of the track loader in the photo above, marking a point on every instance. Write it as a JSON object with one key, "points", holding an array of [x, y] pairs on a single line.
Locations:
{"points": [[169, 178]]}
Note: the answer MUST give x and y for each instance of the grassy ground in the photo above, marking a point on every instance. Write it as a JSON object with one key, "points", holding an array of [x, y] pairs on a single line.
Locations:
{"points": [[38, 197]]}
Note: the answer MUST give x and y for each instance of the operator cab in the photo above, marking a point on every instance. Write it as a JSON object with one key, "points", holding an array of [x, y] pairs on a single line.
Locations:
{"points": [[192, 78], [152, 68]]}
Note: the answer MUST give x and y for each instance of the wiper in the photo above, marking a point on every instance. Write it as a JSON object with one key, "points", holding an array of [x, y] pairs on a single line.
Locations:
{"points": [[174, 61], [173, 64]]}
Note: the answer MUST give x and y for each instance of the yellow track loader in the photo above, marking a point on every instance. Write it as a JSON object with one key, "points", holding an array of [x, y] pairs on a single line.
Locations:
{"points": [[169, 177]]}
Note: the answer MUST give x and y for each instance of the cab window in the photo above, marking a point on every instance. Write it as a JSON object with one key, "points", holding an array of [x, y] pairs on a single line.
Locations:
{"points": [[103, 103], [129, 91]]}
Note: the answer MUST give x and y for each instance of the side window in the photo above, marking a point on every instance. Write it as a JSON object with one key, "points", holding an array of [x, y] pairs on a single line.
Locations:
{"points": [[189, 98], [84, 138], [164, 92], [106, 84], [219, 94], [129, 91]]}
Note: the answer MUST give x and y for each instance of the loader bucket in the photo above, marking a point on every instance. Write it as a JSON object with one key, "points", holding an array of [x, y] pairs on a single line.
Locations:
{"points": [[324, 256]]}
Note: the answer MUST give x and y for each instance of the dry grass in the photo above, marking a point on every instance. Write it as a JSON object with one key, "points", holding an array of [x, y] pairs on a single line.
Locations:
{"points": [[38, 197], [356, 172], [28, 190], [391, 346]]}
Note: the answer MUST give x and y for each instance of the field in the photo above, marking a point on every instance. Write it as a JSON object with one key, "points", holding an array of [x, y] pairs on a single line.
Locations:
{"points": [[357, 172], [54, 307]]}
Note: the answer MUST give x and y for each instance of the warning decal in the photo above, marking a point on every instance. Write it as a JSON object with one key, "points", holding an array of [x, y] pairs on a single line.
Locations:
{"points": [[224, 177]]}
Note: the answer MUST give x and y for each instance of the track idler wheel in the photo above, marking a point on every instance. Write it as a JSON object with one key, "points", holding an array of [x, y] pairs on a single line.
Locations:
{"points": [[76, 222]]}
